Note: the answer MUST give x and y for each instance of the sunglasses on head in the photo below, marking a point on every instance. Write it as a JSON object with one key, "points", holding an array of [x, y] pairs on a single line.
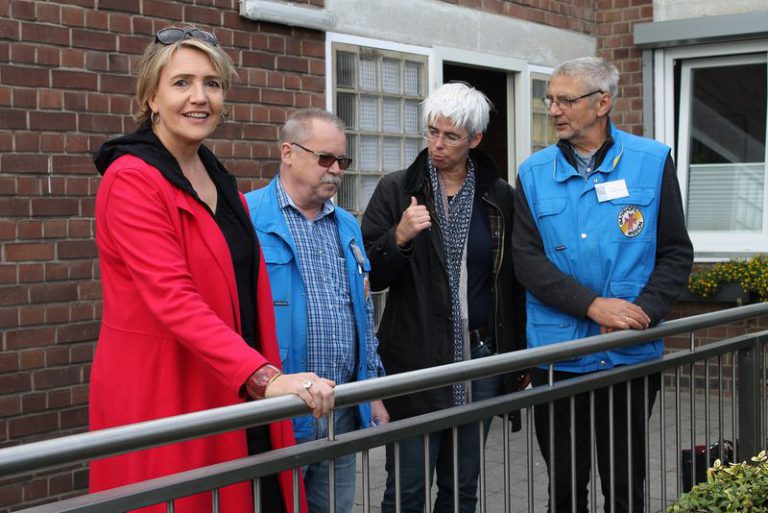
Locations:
{"points": [[168, 36], [327, 159]]}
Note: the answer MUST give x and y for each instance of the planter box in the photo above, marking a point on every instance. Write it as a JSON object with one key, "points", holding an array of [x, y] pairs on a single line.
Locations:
{"points": [[728, 293]]}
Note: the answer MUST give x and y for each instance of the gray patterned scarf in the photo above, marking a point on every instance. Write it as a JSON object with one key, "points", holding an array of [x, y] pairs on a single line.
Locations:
{"points": [[454, 218]]}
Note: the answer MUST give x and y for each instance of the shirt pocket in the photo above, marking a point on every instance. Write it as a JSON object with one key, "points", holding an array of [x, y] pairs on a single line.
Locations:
{"points": [[550, 216], [279, 260], [550, 325], [628, 290], [633, 216]]}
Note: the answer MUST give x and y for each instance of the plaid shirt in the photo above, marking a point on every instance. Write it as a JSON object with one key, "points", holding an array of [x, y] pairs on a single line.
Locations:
{"points": [[331, 334]]}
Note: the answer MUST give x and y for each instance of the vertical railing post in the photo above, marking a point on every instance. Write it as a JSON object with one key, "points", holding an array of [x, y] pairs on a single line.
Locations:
{"points": [[750, 401]]}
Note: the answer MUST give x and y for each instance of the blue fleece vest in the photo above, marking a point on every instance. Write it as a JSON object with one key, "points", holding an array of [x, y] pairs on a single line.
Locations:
{"points": [[608, 246], [288, 290]]}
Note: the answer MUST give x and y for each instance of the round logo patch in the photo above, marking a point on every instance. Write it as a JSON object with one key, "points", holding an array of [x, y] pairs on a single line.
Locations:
{"points": [[631, 221]]}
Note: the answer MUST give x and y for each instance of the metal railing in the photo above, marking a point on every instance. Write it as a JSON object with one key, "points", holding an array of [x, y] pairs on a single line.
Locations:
{"points": [[739, 414]]}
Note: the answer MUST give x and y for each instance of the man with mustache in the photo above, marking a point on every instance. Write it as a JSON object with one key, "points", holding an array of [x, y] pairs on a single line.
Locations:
{"points": [[318, 271]]}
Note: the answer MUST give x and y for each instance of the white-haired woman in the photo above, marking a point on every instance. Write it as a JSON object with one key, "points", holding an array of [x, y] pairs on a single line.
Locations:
{"points": [[438, 234]]}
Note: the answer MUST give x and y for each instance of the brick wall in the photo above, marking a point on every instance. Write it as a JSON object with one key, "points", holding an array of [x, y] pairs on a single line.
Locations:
{"points": [[615, 42], [66, 86], [576, 15]]}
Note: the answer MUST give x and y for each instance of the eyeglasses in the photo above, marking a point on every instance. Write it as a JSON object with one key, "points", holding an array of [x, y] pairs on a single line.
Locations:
{"points": [[171, 35], [565, 103], [327, 159], [449, 138]]}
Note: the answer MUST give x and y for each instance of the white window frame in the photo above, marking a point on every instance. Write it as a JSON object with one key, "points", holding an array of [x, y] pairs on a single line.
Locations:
{"points": [[708, 245]]}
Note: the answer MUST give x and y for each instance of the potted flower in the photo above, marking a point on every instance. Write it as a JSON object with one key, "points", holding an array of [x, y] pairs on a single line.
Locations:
{"points": [[738, 487], [736, 280]]}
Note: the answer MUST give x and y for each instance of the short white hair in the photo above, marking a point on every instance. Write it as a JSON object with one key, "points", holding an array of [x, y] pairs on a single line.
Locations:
{"points": [[464, 105], [596, 73]]}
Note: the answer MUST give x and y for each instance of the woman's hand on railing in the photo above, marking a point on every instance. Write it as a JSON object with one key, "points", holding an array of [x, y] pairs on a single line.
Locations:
{"points": [[315, 391]]}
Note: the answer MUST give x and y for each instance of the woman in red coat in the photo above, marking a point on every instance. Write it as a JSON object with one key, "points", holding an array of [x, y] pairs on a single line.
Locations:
{"points": [[188, 322]]}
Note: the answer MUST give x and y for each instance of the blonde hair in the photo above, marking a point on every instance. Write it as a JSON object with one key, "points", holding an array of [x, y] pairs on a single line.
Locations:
{"points": [[158, 55]]}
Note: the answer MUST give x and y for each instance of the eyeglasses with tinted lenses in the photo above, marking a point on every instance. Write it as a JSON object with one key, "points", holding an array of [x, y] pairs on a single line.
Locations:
{"points": [[327, 159], [171, 35], [565, 103], [449, 139]]}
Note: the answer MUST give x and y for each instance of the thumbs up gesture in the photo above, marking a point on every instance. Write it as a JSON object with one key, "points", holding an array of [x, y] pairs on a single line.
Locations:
{"points": [[413, 221]]}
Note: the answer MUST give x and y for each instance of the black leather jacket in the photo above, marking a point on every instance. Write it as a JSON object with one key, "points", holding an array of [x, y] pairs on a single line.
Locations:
{"points": [[415, 331]]}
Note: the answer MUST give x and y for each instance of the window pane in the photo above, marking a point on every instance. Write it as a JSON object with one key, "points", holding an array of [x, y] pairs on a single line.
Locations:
{"points": [[345, 69], [369, 113], [411, 117], [390, 76], [413, 78], [345, 109], [393, 157], [352, 149], [725, 127], [726, 197], [391, 116], [542, 129], [368, 74], [369, 153], [348, 195], [726, 174], [538, 88], [412, 149], [367, 186]]}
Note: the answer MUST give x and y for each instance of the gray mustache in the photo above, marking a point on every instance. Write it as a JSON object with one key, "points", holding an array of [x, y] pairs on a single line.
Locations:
{"points": [[331, 179]]}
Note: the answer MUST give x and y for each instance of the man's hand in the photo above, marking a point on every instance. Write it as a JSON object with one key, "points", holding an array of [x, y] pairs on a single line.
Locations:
{"points": [[379, 414], [415, 219], [614, 314]]}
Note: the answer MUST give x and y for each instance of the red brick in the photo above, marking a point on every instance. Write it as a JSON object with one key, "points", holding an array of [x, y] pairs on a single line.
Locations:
{"points": [[13, 119], [201, 15], [25, 98], [67, 250], [90, 290], [31, 316], [31, 273], [16, 382], [61, 484], [29, 337], [24, 163], [10, 30], [80, 228], [56, 314], [55, 378], [23, 10], [33, 424], [54, 228], [32, 359], [55, 207], [48, 13], [52, 121], [52, 292], [10, 495], [34, 402], [162, 9], [74, 417], [13, 295], [29, 251], [45, 34], [78, 332], [30, 229], [79, 80], [82, 352], [56, 356], [9, 318]]}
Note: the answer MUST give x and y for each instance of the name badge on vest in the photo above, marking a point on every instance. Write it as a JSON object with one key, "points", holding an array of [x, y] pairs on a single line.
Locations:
{"points": [[611, 190]]}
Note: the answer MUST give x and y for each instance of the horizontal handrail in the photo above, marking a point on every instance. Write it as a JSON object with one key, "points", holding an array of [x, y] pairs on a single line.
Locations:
{"points": [[118, 440], [222, 474]]}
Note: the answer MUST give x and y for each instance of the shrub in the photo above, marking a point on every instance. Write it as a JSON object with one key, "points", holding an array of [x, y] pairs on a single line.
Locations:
{"points": [[751, 274], [738, 487]]}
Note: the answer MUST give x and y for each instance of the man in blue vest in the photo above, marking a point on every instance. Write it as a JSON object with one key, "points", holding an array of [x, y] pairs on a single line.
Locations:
{"points": [[600, 245], [318, 271]]}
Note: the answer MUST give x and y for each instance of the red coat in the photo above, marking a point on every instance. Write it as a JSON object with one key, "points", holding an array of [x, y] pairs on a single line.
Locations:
{"points": [[169, 341]]}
